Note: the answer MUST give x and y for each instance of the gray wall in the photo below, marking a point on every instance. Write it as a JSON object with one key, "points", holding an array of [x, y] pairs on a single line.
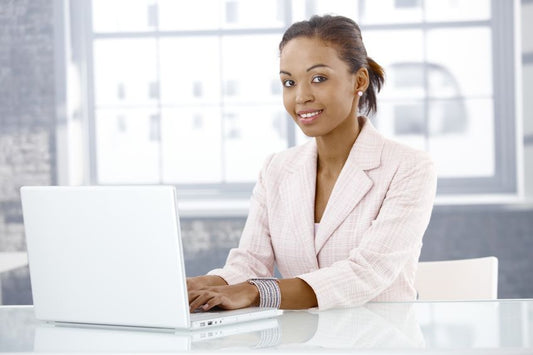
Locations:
{"points": [[27, 156], [27, 108]]}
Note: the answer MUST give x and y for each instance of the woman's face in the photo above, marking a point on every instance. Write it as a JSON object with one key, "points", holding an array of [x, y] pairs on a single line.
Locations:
{"points": [[319, 92]]}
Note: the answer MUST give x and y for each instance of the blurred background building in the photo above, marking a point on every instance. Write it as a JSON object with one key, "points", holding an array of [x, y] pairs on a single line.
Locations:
{"points": [[187, 93]]}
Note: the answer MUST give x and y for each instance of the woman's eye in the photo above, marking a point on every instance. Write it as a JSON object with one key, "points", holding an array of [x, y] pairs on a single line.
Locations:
{"points": [[288, 83], [319, 79]]}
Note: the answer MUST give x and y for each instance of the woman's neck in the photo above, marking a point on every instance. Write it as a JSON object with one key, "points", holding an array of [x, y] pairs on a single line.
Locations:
{"points": [[333, 149]]}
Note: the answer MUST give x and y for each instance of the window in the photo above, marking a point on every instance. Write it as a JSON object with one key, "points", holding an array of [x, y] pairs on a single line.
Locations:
{"points": [[180, 95]]}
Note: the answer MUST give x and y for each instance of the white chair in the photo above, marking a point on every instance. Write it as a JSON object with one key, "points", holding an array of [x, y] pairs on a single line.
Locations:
{"points": [[467, 279]]}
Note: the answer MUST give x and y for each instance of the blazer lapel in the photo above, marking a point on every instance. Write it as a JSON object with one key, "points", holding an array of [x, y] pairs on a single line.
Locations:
{"points": [[298, 190], [353, 182]]}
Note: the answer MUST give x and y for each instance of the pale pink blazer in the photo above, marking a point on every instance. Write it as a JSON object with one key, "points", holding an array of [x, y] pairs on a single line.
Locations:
{"points": [[369, 239]]}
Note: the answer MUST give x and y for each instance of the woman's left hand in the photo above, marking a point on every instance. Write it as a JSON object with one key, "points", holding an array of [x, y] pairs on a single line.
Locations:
{"points": [[235, 296]]}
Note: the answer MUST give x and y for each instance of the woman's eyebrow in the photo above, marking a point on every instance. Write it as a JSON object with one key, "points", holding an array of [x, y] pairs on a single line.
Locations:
{"points": [[308, 69], [317, 66]]}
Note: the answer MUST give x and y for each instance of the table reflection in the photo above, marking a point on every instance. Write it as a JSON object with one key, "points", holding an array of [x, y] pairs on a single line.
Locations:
{"points": [[372, 326], [428, 326], [383, 326]]}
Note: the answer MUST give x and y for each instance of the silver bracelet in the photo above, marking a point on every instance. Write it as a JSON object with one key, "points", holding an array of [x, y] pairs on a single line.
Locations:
{"points": [[269, 292]]}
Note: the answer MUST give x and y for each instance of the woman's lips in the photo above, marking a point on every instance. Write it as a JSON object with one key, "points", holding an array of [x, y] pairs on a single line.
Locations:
{"points": [[307, 117]]}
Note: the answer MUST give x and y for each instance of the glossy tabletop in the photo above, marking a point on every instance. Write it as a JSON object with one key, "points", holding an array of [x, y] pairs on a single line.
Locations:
{"points": [[503, 326]]}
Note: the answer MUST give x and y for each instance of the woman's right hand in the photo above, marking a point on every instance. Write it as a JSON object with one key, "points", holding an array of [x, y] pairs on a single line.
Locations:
{"points": [[199, 282]]}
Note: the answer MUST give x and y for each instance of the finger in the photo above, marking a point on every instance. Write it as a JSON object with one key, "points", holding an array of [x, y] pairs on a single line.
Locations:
{"points": [[193, 297], [199, 301], [212, 302], [209, 301]]}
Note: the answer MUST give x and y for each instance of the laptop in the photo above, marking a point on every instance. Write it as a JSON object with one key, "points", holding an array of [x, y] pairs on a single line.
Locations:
{"points": [[112, 255]]}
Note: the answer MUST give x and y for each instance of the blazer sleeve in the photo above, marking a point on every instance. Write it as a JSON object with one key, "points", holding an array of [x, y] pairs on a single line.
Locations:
{"points": [[254, 256], [393, 238]]}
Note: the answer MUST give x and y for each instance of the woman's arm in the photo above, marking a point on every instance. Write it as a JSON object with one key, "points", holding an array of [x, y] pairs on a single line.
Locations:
{"points": [[199, 282], [295, 294]]}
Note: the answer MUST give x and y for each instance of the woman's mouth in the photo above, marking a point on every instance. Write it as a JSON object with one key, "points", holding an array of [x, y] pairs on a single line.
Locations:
{"points": [[307, 117]]}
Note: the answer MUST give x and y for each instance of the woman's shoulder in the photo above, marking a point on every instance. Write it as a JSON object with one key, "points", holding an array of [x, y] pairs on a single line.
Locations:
{"points": [[391, 151], [398, 151], [406, 162]]}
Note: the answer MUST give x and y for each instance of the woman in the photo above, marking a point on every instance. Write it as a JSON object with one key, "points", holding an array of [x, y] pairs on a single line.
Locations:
{"points": [[342, 216]]}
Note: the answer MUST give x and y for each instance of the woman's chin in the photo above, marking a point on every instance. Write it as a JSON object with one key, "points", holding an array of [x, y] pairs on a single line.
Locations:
{"points": [[309, 131]]}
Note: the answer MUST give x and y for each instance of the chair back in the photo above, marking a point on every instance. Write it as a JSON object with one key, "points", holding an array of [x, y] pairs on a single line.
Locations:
{"points": [[466, 279]]}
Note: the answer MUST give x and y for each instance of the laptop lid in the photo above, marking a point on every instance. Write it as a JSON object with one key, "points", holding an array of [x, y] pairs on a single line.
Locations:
{"points": [[106, 255]]}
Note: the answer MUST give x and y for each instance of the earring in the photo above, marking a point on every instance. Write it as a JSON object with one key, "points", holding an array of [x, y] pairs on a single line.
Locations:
{"points": [[359, 93]]}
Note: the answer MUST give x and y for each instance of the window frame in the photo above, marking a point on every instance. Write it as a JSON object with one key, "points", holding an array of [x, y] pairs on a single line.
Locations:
{"points": [[77, 25]]}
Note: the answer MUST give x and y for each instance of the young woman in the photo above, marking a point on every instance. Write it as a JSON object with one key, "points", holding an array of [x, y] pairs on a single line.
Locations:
{"points": [[342, 217]]}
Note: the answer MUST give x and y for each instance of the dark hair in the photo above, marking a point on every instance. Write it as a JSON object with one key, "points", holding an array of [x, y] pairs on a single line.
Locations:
{"points": [[345, 34]]}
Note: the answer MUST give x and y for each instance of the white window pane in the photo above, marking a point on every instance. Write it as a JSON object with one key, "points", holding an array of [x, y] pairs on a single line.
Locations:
{"points": [[418, 79], [127, 145], [457, 10], [391, 11], [392, 46], [526, 9], [251, 133], [404, 79], [125, 72], [333, 7], [402, 120], [253, 14], [442, 82], [448, 117], [463, 149], [527, 92], [124, 15], [400, 53], [190, 70], [250, 69], [189, 15], [191, 145], [464, 54]]}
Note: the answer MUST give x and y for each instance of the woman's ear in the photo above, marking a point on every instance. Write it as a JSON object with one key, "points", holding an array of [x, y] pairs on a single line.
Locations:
{"points": [[362, 80]]}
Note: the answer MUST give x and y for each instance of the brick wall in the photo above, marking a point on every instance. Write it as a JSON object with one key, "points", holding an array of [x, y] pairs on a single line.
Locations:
{"points": [[27, 108]]}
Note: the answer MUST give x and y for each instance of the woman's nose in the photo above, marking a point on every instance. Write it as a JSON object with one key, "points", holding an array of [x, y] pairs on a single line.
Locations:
{"points": [[303, 94]]}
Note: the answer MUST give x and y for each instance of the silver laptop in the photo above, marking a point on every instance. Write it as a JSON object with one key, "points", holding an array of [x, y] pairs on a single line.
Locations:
{"points": [[112, 255]]}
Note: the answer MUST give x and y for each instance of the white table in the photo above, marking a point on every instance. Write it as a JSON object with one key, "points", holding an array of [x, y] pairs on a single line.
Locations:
{"points": [[11, 261], [481, 327]]}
